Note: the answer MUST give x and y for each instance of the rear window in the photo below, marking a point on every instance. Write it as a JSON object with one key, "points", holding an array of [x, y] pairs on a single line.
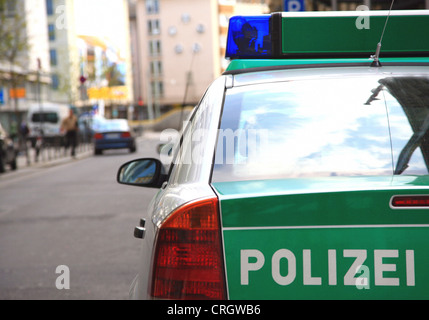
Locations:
{"points": [[112, 125], [47, 117], [348, 126]]}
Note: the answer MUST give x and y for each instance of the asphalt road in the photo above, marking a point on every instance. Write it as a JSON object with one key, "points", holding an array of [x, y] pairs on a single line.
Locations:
{"points": [[71, 214]]}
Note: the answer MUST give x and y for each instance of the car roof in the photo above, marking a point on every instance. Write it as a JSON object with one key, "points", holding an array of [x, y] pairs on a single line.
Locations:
{"points": [[318, 71]]}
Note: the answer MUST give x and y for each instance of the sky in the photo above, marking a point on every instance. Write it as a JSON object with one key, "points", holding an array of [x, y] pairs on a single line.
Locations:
{"points": [[101, 18]]}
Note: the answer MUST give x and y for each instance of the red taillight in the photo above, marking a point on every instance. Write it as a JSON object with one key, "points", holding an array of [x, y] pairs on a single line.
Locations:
{"points": [[188, 261], [126, 135], [98, 136], [411, 201]]}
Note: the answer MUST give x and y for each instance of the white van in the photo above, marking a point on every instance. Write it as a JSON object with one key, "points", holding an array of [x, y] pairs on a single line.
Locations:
{"points": [[46, 118]]}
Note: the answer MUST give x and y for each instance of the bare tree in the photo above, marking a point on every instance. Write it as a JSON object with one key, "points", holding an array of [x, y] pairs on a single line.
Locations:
{"points": [[13, 42]]}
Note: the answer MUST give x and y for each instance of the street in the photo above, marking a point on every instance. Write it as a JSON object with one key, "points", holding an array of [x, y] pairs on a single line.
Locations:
{"points": [[73, 214]]}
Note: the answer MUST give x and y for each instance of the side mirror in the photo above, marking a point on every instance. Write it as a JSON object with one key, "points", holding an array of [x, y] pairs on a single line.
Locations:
{"points": [[146, 172]]}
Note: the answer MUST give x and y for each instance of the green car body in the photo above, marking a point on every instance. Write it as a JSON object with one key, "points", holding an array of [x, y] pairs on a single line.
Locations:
{"points": [[318, 232], [302, 178], [326, 235]]}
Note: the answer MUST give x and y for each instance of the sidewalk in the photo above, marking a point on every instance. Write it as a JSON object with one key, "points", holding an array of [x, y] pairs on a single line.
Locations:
{"points": [[51, 156]]}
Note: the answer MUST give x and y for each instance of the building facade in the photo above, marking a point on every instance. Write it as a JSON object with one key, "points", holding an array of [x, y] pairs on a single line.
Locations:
{"points": [[47, 64], [178, 49], [24, 62], [105, 63], [63, 52]]}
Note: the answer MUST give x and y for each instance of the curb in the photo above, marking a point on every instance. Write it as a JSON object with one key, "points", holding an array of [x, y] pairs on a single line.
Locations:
{"points": [[52, 157]]}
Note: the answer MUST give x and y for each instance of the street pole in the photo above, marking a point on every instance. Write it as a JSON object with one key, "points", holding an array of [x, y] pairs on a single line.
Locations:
{"points": [[149, 97], [40, 138], [195, 50], [39, 94]]}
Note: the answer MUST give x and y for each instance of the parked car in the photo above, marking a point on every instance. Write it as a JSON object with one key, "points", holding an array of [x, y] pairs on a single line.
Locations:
{"points": [[303, 172], [8, 151], [45, 120], [113, 134]]}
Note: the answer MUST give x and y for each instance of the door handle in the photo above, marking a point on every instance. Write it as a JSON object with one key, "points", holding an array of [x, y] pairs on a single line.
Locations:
{"points": [[140, 231]]}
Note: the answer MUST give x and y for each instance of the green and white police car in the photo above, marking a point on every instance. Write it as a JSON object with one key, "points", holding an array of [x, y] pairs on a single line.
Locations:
{"points": [[303, 173]]}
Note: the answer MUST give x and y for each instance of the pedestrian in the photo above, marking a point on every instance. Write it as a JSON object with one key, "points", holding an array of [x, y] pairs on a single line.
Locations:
{"points": [[69, 127], [23, 137], [23, 130]]}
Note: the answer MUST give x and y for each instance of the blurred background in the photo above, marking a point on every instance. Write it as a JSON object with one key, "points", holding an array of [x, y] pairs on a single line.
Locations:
{"points": [[135, 59]]}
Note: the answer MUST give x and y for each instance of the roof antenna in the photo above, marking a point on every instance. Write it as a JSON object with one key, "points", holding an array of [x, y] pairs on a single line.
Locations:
{"points": [[376, 63]]}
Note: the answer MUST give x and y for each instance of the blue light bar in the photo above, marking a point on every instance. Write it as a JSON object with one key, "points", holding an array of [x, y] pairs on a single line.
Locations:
{"points": [[308, 35], [249, 37]]}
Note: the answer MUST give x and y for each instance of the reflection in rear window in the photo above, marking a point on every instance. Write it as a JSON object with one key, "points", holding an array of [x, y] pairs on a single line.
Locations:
{"points": [[112, 125], [358, 126]]}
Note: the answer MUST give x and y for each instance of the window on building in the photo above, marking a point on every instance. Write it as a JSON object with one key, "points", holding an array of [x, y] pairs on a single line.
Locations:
{"points": [[8, 7], [55, 82], [153, 27], [157, 88], [11, 6], [156, 68], [152, 6], [154, 47], [51, 32], [53, 57], [50, 7]]}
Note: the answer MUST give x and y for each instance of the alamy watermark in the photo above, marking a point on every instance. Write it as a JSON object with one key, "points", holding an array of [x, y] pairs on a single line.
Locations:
{"points": [[363, 21], [240, 146], [61, 20], [362, 281], [63, 280]]}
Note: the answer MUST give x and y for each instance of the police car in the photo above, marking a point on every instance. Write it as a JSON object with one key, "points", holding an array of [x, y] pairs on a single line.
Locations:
{"points": [[303, 171]]}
